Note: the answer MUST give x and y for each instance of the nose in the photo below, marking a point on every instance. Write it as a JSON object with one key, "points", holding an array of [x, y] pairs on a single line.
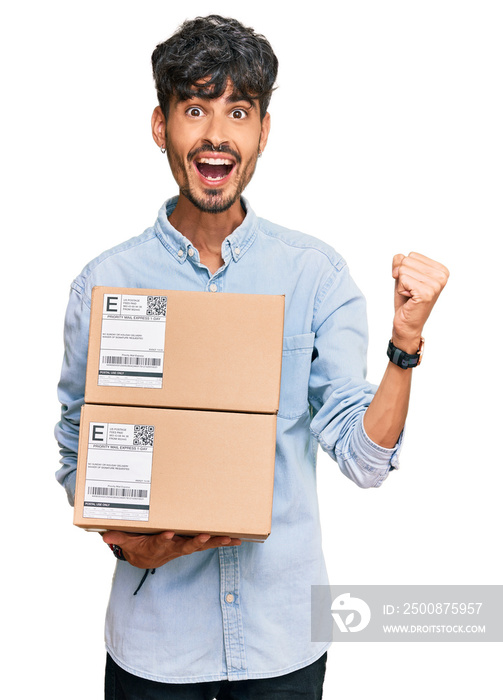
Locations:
{"points": [[215, 133]]}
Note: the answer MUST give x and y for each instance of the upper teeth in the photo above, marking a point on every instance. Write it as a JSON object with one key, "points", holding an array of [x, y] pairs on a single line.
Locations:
{"points": [[215, 161]]}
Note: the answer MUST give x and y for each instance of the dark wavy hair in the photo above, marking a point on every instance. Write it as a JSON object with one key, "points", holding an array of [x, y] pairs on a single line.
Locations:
{"points": [[205, 53]]}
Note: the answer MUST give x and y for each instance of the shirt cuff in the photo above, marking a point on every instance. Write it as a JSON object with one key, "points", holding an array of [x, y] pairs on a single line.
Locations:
{"points": [[374, 456], [69, 485]]}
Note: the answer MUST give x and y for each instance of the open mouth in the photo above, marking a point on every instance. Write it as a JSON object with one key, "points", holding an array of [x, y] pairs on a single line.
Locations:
{"points": [[214, 169]]}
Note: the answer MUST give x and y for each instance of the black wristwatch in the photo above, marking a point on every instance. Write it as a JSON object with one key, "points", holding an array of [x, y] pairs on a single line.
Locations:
{"points": [[402, 358], [118, 553]]}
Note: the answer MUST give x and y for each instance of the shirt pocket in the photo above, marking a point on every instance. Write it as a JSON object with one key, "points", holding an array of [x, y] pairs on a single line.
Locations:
{"points": [[295, 371]]}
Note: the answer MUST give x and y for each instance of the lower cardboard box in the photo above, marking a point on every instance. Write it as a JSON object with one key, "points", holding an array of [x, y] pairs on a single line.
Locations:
{"points": [[147, 470]]}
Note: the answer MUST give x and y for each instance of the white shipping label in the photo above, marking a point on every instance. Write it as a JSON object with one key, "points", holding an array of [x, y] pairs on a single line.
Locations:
{"points": [[133, 329], [118, 471]]}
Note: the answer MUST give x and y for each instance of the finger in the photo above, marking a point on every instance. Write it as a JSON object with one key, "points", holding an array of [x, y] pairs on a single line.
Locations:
{"points": [[204, 542], [419, 269], [116, 537], [414, 273], [417, 264], [201, 539], [429, 261], [397, 261], [192, 544], [403, 291], [422, 263], [410, 274], [423, 272], [162, 537], [223, 541], [216, 541]]}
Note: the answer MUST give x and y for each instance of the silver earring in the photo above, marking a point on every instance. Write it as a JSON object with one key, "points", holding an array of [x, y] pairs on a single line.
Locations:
{"points": [[163, 149], [259, 154]]}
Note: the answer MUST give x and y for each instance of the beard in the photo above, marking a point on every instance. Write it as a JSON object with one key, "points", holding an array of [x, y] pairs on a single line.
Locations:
{"points": [[211, 200]]}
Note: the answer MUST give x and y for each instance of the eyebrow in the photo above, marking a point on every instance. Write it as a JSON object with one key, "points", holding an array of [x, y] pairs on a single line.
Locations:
{"points": [[238, 97]]}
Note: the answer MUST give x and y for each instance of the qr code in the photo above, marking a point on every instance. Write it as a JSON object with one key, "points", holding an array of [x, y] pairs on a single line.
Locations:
{"points": [[156, 306], [144, 435]]}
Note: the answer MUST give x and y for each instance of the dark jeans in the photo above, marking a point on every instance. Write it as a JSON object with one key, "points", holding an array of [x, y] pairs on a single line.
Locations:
{"points": [[304, 684]]}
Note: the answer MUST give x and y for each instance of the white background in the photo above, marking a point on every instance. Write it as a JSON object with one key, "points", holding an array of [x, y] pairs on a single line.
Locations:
{"points": [[386, 138]]}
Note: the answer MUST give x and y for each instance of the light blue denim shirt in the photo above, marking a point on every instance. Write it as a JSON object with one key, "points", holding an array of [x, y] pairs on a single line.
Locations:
{"points": [[241, 612]]}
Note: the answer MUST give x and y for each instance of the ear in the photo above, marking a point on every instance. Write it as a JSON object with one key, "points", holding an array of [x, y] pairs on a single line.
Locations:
{"points": [[159, 127], [264, 131]]}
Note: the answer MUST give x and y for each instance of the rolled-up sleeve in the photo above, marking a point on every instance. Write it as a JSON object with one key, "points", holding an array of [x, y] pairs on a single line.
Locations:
{"points": [[338, 391], [72, 385]]}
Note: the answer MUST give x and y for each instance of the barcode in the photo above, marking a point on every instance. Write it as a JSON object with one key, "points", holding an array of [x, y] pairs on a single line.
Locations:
{"points": [[123, 493], [137, 361]]}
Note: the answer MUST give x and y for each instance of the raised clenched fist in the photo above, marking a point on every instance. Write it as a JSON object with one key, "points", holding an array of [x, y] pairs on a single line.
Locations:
{"points": [[418, 283]]}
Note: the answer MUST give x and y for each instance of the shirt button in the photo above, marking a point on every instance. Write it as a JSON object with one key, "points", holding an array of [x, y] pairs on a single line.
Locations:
{"points": [[213, 287], [180, 253], [229, 598], [237, 250], [191, 252]]}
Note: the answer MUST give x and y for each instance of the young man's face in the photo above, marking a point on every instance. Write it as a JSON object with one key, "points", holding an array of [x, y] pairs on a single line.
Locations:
{"points": [[213, 180]]}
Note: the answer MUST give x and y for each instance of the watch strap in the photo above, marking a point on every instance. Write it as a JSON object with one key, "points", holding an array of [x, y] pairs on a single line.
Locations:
{"points": [[118, 553], [404, 359]]}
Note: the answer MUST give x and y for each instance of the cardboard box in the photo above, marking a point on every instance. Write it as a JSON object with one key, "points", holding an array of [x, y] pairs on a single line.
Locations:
{"points": [[149, 470], [178, 349]]}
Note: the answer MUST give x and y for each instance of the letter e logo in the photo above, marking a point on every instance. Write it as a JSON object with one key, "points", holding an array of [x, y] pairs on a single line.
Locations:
{"points": [[112, 305], [97, 432]]}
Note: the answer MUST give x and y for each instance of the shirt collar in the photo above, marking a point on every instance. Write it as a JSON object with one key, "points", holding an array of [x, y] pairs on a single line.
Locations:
{"points": [[234, 246]]}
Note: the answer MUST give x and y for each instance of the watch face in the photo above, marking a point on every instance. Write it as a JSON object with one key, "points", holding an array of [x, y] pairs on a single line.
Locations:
{"points": [[420, 351]]}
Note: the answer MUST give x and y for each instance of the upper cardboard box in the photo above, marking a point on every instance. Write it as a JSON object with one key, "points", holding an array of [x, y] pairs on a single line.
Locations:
{"points": [[177, 349]]}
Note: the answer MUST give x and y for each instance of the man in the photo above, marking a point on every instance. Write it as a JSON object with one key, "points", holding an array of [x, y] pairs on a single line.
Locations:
{"points": [[220, 618]]}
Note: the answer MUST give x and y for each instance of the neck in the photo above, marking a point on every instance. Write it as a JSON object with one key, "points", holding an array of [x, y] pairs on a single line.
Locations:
{"points": [[204, 230]]}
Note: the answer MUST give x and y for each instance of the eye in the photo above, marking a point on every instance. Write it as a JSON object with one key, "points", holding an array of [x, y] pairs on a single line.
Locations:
{"points": [[194, 112], [239, 113]]}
